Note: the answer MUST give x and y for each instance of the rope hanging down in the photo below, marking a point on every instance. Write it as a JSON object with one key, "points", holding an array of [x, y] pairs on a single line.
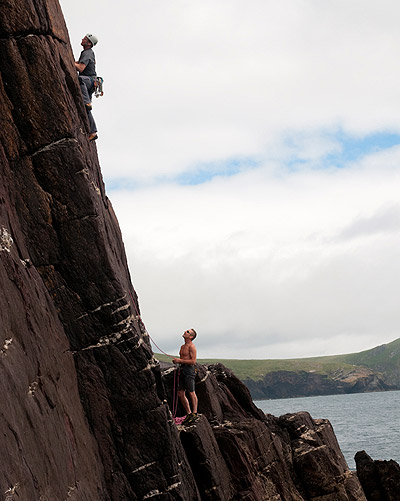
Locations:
{"points": [[175, 392], [147, 332], [176, 371]]}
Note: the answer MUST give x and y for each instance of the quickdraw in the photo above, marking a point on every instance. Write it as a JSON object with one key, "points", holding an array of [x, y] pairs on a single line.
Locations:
{"points": [[98, 86]]}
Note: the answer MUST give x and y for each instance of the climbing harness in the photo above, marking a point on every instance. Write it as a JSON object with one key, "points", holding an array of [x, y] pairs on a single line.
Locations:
{"points": [[98, 86]]}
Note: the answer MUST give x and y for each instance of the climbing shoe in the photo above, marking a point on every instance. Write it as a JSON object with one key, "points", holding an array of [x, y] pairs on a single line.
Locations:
{"points": [[88, 106], [190, 418], [187, 418], [93, 136]]}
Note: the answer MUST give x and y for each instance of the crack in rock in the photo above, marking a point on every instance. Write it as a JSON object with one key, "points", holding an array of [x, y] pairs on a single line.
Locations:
{"points": [[205, 377], [128, 321], [125, 307], [112, 339], [310, 436], [71, 489], [300, 452], [83, 171], [6, 345], [10, 492], [27, 34], [148, 367], [86, 173], [143, 467], [224, 424], [32, 388], [166, 371], [61, 142], [104, 341], [104, 306], [156, 492], [6, 240], [115, 337]]}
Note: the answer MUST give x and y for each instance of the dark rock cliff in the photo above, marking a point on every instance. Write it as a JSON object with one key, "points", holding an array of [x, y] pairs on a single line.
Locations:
{"points": [[80, 414], [84, 414]]}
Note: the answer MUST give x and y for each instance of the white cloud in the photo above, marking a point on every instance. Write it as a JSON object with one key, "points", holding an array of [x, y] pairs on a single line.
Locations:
{"points": [[188, 82], [290, 256], [385, 220], [262, 259]]}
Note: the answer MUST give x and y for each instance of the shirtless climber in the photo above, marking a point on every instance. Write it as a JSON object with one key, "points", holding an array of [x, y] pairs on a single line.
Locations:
{"points": [[87, 73], [187, 360]]}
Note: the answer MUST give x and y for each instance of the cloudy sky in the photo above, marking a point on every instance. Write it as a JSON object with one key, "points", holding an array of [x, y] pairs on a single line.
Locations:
{"points": [[251, 150]]}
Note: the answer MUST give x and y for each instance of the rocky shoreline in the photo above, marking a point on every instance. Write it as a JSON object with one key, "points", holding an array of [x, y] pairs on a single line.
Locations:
{"points": [[290, 384], [249, 455]]}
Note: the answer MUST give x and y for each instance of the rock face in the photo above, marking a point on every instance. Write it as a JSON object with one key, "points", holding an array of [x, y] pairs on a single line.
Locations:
{"points": [[289, 384], [380, 479], [81, 417], [237, 452], [84, 414]]}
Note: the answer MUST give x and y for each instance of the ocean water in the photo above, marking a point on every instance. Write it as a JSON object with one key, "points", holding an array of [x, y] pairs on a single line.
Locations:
{"points": [[362, 421]]}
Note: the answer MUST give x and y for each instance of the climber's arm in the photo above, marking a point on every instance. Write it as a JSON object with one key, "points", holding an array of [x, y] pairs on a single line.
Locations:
{"points": [[80, 66]]}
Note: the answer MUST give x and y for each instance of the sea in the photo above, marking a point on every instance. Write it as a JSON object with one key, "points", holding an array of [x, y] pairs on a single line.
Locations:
{"points": [[361, 421]]}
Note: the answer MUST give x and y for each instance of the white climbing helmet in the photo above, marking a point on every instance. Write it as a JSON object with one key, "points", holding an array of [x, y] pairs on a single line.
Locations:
{"points": [[92, 38]]}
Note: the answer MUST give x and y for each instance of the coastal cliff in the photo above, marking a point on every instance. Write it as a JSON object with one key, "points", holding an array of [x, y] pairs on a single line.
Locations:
{"points": [[289, 384], [374, 370], [85, 410]]}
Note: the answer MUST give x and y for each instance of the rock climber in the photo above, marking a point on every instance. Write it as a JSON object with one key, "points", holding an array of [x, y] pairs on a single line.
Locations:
{"points": [[87, 73], [187, 361]]}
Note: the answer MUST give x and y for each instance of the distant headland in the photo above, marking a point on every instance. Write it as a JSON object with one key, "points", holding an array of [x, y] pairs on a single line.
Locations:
{"points": [[377, 369]]}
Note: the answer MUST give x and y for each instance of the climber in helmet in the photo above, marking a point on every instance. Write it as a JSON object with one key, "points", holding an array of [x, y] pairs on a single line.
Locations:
{"points": [[86, 66]]}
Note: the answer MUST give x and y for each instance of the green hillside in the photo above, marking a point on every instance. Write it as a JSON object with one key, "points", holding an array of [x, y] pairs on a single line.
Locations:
{"points": [[384, 358]]}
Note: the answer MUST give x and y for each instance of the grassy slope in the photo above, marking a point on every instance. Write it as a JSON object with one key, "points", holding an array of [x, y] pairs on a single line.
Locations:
{"points": [[385, 358]]}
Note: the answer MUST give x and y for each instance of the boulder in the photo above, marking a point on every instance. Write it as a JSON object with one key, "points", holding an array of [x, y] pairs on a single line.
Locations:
{"points": [[379, 479]]}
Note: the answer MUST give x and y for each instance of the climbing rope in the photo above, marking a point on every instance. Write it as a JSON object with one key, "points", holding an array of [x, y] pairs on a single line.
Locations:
{"points": [[147, 332], [176, 371], [175, 392]]}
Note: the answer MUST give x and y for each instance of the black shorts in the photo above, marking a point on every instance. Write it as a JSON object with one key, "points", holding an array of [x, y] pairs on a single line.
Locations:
{"points": [[187, 376]]}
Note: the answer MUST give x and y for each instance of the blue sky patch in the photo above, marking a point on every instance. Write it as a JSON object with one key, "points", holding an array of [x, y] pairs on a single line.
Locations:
{"points": [[120, 183], [344, 150], [332, 149], [207, 171], [354, 148]]}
